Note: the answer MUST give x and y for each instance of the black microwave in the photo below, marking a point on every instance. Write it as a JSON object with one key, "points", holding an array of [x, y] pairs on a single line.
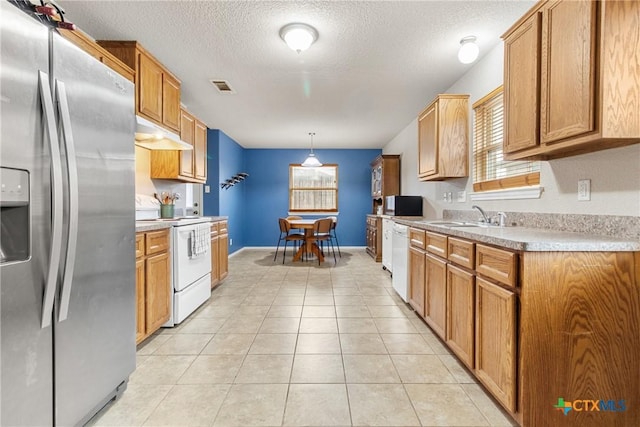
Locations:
{"points": [[403, 205]]}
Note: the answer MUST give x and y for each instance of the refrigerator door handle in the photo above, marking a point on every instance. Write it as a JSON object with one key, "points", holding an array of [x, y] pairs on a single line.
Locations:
{"points": [[72, 176], [56, 199]]}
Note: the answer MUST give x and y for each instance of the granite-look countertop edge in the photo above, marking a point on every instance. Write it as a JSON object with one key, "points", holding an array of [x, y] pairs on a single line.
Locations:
{"points": [[531, 239], [151, 226], [142, 226]]}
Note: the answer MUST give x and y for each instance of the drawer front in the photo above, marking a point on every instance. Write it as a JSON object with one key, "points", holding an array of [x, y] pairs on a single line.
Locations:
{"points": [[139, 245], [461, 252], [436, 244], [497, 264], [157, 241], [214, 229], [417, 238], [222, 227]]}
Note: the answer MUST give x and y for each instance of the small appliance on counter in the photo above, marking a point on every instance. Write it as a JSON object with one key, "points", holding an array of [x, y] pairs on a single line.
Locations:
{"points": [[403, 205]]}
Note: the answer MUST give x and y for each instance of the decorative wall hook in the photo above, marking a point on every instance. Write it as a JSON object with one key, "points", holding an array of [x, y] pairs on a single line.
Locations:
{"points": [[239, 177]]}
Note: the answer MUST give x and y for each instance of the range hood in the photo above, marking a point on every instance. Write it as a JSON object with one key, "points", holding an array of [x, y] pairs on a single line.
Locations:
{"points": [[153, 137]]}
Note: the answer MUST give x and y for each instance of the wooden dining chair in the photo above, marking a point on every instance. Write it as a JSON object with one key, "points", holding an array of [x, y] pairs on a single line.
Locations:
{"points": [[287, 236], [334, 236], [322, 233]]}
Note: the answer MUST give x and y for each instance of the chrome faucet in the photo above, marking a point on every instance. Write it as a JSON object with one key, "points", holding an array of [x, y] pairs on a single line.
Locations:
{"points": [[485, 218]]}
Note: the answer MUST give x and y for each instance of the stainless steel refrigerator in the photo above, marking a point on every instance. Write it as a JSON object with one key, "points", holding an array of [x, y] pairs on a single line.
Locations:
{"points": [[67, 261]]}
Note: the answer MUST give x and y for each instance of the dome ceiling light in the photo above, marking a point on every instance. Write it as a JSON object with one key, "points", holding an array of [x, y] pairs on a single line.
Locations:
{"points": [[298, 37], [468, 50]]}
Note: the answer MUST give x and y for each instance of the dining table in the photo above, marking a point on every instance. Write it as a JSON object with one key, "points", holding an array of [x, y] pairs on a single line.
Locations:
{"points": [[310, 246]]}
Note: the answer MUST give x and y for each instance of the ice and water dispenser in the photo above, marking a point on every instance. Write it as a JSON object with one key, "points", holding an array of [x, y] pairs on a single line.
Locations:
{"points": [[14, 215]]}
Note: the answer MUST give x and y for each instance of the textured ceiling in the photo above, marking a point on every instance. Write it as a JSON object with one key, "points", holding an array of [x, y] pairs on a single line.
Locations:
{"points": [[374, 67]]}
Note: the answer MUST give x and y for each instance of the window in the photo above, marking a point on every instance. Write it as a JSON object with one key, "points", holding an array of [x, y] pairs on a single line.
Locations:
{"points": [[313, 189], [490, 170]]}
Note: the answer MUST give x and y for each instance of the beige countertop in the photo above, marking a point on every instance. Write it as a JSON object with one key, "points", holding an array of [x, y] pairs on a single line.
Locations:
{"points": [[527, 239], [160, 224]]}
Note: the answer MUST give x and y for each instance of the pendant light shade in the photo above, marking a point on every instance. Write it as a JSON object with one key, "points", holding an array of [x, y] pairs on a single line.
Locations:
{"points": [[311, 161], [468, 50]]}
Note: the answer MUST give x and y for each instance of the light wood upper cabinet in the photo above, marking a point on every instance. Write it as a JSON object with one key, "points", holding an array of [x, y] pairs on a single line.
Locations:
{"points": [[149, 88], [571, 85], [385, 180], [187, 134], [170, 101], [522, 85], [443, 138], [86, 43], [200, 151], [157, 89], [184, 165]]}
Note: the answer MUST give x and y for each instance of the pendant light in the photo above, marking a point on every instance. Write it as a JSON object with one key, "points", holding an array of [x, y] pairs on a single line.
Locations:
{"points": [[312, 161]]}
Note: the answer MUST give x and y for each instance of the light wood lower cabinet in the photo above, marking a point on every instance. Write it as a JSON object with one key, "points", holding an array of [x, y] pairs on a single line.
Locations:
{"points": [[223, 247], [219, 252], [374, 237], [436, 294], [153, 282], [495, 337], [416, 279], [460, 313]]}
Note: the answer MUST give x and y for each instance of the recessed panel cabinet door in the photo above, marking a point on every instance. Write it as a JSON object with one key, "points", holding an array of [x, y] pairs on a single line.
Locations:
{"points": [[149, 86], [436, 294], [141, 326], [200, 151], [187, 134], [416, 280], [521, 86], [460, 313], [567, 106], [158, 288], [496, 341], [428, 142], [171, 102]]}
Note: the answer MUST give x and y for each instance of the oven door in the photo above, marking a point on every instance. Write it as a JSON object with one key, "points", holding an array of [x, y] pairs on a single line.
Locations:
{"points": [[187, 266]]}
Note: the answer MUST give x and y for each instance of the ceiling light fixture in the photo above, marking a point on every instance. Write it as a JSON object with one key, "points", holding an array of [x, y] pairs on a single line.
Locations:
{"points": [[468, 50], [298, 36], [312, 161]]}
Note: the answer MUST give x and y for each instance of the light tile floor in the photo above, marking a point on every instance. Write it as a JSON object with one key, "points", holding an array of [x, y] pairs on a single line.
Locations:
{"points": [[301, 345]]}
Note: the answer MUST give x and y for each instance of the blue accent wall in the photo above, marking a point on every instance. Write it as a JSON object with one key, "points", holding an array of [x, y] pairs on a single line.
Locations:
{"points": [[225, 158], [267, 192], [255, 204]]}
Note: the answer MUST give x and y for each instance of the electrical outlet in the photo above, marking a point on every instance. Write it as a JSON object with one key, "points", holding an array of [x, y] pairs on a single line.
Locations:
{"points": [[444, 197], [584, 189], [230, 242], [462, 196], [207, 189]]}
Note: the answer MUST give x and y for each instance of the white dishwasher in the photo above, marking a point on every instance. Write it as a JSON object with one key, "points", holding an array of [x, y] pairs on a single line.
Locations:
{"points": [[400, 244], [387, 248]]}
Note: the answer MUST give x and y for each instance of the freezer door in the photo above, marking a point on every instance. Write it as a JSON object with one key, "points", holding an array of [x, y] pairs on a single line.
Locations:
{"points": [[95, 337], [26, 357]]}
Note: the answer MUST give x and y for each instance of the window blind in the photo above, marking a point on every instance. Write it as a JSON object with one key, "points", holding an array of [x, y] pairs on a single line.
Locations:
{"points": [[490, 170], [313, 189]]}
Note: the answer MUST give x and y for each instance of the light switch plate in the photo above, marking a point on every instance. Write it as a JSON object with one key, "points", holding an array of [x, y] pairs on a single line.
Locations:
{"points": [[207, 189], [584, 189]]}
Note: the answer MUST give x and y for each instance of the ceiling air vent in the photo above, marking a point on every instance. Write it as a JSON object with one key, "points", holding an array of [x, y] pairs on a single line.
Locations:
{"points": [[222, 86]]}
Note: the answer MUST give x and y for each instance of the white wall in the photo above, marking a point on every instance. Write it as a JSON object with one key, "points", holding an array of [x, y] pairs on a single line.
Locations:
{"points": [[614, 174], [146, 185]]}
